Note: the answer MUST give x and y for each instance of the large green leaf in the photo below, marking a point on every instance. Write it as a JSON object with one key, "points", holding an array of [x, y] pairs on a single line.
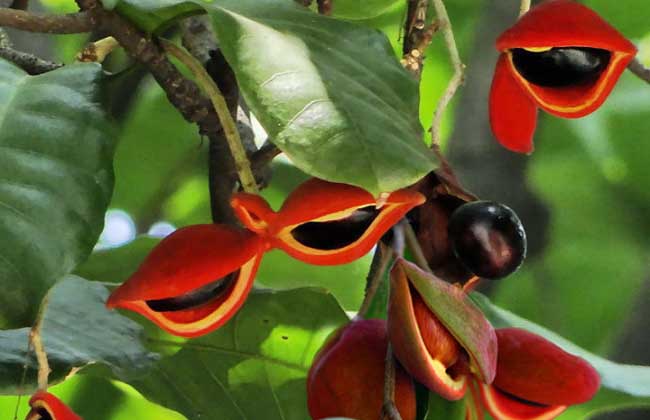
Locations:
{"points": [[330, 94], [56, 178], [77, 330], [255, 366], [629, 379]]}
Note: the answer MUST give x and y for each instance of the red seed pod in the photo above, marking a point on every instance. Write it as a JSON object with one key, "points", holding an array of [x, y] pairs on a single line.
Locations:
{"points": [[45, 406], [194, 280], [561, 57], [440, 337], [347, 376], [536, 380], [325, 223]]}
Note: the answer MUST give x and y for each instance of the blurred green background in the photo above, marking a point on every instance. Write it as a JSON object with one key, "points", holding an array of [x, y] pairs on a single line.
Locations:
{"points": [[583, 195]]}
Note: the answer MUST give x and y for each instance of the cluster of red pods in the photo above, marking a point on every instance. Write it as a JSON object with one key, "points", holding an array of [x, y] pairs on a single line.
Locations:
{"points": [[561, 57]]}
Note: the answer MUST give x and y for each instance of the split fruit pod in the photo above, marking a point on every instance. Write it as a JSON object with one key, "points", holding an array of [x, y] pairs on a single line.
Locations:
{"points": [[536, 379], [561, 57], [325, 223], [488, 238], [45, 406], [194, 280], [346, 378], [437, 333]]}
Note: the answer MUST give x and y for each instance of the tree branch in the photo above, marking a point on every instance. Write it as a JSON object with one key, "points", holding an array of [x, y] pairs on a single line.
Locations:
{"points": [[639, 70], [28, 62], [73, 23]]}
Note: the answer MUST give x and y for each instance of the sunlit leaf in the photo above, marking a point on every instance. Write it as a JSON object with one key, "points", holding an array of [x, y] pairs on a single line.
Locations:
{"points": [[255, 366]]}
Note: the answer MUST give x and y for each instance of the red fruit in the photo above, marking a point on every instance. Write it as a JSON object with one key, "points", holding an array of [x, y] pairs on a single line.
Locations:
{"points": [[346, 378]]}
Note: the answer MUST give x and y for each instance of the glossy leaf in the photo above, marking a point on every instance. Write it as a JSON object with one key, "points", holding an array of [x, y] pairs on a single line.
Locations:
{"points": [[56, 178], [339, 104], [255, 364], [629, 379], [77, 330]]}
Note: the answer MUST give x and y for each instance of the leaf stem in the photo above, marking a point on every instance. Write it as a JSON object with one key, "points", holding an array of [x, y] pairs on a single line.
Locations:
{"points": [[378, 267], [414, 246], [459, 71], [389, 410], [242, 164], [36, 341], [524, 7], [98, 50]]}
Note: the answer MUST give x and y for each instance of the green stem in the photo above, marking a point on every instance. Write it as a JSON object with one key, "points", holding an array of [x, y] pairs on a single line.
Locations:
{"points": [[242, 164]]}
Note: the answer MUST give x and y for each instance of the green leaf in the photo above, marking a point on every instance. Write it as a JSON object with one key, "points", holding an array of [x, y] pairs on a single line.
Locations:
{"points": [[630, 379], [255, 366], [56, 180], [330, 94], [77, 330], [355, 9], [153, 15]]}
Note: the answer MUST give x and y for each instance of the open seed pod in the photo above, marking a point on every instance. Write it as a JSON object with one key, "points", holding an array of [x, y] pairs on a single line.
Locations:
{"points": [[328, 223], [560, 56], [536, 380], [194, 280], [346, 378], [45, 406], [437, 333]]}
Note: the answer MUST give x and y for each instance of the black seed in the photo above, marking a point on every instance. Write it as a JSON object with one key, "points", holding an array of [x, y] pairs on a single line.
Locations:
{"points": [[488, 238], [284, 337], [560, 67], [336, 234], [195, 297], [39, 414]]}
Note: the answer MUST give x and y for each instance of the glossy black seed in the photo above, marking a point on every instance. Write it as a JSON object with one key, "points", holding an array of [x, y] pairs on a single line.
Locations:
{"points": [[488, 238], [560, 67], [195, 297], [336, 234]]}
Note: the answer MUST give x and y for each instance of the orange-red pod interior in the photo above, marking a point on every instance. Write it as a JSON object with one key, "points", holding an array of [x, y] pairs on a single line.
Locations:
{"points": [[327, 223], [194, 280], [536, 380], [346, 378], [45, 406], [551, 25]]}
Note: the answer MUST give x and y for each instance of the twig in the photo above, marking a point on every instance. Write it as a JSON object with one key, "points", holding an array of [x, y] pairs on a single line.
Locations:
{"points": [[98, 50], [414, 246], [417, 36], [524, 7], [378, 267], [28, 62], [73, 23], [638, 69], [242, 164], [459, 71], [389, 410]]}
